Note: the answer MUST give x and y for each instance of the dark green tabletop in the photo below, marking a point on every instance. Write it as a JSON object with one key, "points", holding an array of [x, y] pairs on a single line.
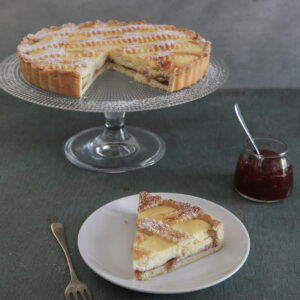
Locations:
{"points": [[39, 186]]}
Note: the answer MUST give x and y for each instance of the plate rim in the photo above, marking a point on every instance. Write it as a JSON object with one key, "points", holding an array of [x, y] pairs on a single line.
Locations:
{"points": [[113, 279]]}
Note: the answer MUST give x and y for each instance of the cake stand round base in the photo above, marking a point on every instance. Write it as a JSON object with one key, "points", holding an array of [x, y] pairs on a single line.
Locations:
{"points": [[93, 150]]}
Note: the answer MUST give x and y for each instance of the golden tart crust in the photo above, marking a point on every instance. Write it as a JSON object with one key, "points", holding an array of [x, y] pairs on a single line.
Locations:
{"points": [[67, 59], [171, 234]]}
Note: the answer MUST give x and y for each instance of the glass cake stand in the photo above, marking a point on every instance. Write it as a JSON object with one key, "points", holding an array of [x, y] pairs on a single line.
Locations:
{"points": [[112, 148]]}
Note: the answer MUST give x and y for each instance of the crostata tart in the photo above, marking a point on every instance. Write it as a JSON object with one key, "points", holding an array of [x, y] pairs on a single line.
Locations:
{"points": [[67, 59], [171, 234]]}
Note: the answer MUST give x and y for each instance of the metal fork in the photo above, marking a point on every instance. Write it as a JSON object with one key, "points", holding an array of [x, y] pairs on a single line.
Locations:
{"points": [[75, 286]]}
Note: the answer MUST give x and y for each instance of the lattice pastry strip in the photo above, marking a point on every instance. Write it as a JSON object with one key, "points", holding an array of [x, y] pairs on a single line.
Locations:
{"points": [[152, 226], [183, 212]]}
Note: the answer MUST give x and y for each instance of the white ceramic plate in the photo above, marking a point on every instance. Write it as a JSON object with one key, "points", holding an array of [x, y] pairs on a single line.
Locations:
{"points": [[105, 244]]}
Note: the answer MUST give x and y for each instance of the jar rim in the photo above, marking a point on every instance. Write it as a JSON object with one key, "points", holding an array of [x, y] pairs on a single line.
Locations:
{"points": [[249, 147]]}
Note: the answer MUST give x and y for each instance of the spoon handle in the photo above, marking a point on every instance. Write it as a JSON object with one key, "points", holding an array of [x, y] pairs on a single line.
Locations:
{"points": [[242, 121]]}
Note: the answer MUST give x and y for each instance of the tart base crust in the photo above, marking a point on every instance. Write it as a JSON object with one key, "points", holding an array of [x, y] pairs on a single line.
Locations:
{"points": [[58, 81], [68, 83]]}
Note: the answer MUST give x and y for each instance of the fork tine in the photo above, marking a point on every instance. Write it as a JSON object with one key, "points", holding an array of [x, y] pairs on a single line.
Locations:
{"points": [[68, 297], [75, 295], [83, 295], [89, 293]]}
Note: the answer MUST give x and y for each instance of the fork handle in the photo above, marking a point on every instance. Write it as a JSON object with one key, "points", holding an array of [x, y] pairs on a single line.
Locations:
{"points": [[58, 231]]}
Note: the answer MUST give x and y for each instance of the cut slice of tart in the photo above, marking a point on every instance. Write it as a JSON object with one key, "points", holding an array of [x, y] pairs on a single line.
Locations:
{"points": [[67, 59], [171, 234]]}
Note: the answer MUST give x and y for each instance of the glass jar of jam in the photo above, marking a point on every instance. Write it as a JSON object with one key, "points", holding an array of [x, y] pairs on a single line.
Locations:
{"points": [[267, 177]]}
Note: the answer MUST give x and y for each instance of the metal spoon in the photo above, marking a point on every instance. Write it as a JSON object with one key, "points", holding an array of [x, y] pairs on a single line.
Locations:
{"points": [[242, 121]]}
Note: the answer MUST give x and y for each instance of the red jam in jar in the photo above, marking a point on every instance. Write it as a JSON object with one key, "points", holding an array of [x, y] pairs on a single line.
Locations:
{"points": [[267, 177]]}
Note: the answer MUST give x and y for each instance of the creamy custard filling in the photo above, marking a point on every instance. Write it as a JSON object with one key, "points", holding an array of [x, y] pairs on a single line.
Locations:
{"points": [[92, 71], [161, 79], [90, 77], [162, 250], [169, 263], [165, 252]]}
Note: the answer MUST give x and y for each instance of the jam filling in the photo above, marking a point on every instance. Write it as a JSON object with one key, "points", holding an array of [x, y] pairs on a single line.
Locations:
{"points": [[170, 263], [84, 85], [98, 70], [161, 79]]}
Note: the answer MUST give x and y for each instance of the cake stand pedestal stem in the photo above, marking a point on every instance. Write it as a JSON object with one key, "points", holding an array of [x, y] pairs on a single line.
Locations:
{"points": [[114, 141]]}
